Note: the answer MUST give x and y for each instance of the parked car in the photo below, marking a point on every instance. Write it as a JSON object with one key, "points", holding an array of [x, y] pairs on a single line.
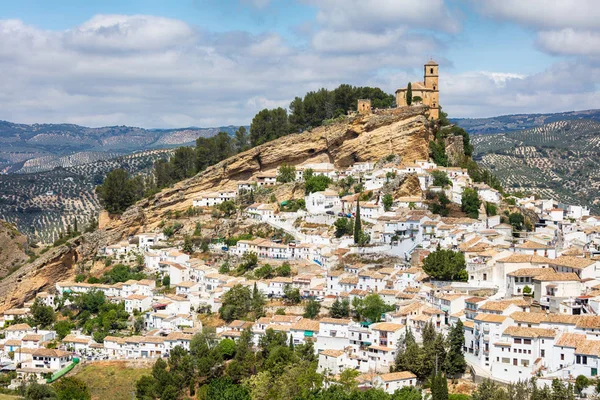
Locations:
{"points": [[330, 212], [320, 298], [341, 214]]}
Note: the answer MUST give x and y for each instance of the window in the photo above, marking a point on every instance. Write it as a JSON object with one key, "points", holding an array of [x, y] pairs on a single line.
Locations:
{"points": [[515, 362], [517, 341], [543, 353], [577, 359], [431, 70], [562, 357], [526, 341]]}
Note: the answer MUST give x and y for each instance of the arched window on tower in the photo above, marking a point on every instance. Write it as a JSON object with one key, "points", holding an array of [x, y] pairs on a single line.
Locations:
{"points": [[431, 70], [434, 87]]}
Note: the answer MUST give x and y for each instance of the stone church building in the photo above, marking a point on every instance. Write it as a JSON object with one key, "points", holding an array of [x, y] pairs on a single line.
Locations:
{"points": [[427, 90]]}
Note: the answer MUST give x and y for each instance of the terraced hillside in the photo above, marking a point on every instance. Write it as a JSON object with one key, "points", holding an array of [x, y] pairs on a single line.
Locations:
{"points": [[41, 147], [518, 122], [43, 204], [560, 159]]}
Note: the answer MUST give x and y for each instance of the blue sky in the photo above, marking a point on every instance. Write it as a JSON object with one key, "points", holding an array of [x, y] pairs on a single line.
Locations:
{"points": [[207, 62]]}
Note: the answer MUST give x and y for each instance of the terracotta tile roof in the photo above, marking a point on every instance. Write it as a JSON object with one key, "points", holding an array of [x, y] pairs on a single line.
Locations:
{"points": [[386, 326], [339, 321], [306, 324], [50, 353], [494, 318], [521, 331], [589, 322], [332, 353], [528, 317], [569, 339], [18, 327], [589, 347], [528, 244], [557, 277], [469, 324], [397, 376], [572, 262], [563, 319], [529, 271], [502, 305]]}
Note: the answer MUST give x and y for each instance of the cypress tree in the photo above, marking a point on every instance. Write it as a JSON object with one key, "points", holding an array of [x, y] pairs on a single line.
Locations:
{"points": [[409, 94], [357, 224]]}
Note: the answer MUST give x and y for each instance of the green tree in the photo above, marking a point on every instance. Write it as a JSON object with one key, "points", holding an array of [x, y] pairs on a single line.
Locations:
{"points": [[445, 265], [188, 246], [440, 178], [166, 281], [340, 309], [455, 359], [343, 226], [439, 387], [292, 295], [316, 183], [357, 224], [227, 208], [116, 192], [284, 269], [581, 382], [373, 307], [470, 202], [36, 391], [63, 328], [409, 96], [43, 316], [312, 308], [249, 262], [236, 303], [517, 221], [527, 290], [258, 302], [263, 272], [388, 200], [286, 173], [69, 388], [241, 139], [268, 125], [490, 209]]}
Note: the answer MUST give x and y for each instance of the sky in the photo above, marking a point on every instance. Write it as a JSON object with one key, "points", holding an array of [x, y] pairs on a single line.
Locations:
{"points": [[179, 63]]}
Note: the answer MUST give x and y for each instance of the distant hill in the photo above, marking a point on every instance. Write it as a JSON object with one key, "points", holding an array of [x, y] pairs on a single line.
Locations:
{"points": [[41, 147], [558, 156], [43, 204], [517, 122]]}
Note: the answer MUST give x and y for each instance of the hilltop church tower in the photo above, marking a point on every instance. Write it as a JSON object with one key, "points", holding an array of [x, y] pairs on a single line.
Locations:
{"points": [[426, 92], [431, 82]]}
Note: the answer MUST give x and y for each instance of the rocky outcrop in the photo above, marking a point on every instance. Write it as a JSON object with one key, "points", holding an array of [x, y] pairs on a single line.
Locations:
{"points": [[404, 132], [409, 187], [454, 149], [13, 245]]}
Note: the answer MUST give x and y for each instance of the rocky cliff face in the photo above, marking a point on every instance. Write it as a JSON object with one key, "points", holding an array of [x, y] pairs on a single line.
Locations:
{"points": [[454, 149], [405, 132], [12, 248]]}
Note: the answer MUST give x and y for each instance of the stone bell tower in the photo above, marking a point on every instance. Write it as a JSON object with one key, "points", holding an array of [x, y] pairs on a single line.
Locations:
{"points": [[431, 82]]}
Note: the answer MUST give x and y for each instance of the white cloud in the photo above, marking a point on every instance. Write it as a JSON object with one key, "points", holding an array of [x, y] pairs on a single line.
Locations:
{"points": [[570, 42], [544, 13], [381, 15], [128, 33]]}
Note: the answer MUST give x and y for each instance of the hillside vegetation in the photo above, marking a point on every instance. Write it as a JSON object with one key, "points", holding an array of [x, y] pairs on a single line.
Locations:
{"points": [[556, 160], [41, 147], [43, 205]]}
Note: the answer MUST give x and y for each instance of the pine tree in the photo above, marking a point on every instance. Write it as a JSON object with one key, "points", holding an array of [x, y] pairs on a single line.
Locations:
{"points": [[357, 224], [455, 361], [409, 94], [75, 228]]}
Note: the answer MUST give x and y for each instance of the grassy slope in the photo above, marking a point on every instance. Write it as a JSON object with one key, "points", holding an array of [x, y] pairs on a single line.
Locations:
{"points": [[112, 379]]}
